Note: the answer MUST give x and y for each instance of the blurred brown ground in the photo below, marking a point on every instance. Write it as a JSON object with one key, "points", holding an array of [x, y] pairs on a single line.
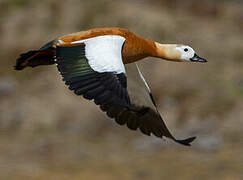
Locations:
{"points": [[46, 132]]}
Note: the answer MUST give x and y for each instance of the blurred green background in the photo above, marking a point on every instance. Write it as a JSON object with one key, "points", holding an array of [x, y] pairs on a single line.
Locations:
{"points": [[46, 132]]}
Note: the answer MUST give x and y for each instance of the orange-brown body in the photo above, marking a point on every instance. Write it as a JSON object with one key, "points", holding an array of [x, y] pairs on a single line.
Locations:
{"points": [[134, 48]]}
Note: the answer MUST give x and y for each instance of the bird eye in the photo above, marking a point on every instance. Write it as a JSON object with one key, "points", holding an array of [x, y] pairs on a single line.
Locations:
{"points": [[185, 49]]}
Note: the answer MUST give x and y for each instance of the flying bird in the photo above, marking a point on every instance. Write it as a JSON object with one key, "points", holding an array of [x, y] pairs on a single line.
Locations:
{"points": [[100, 64]]}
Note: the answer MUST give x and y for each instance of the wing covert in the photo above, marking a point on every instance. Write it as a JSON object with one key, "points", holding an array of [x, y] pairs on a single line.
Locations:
{"points": [[102, 87]]}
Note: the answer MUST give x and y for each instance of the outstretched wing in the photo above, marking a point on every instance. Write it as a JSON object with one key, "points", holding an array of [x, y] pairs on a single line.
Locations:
{"points": [[143, 113], [94, 68], [88, 74]]}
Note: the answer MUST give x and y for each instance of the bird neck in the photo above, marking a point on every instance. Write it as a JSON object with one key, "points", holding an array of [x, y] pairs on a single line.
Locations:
{"points": [[137, 48], [167, 52]]}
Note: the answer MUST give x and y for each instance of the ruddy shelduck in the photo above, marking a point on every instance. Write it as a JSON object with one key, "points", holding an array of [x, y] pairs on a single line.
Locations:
{"points": [[99, 64]]}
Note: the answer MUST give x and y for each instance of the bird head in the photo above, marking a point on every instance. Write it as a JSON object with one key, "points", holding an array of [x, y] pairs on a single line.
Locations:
{"points": [[188, 54], [179, 53]]}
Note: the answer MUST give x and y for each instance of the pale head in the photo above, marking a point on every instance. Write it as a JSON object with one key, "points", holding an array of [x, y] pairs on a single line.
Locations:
{"points": [[186, 52], [175, 52]]}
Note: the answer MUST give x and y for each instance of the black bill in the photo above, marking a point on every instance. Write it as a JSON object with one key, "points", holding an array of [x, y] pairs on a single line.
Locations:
{"points": [[196, 58]]}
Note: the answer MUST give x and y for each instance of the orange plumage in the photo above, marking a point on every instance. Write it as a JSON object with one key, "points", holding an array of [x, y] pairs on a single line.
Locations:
{"points": [[134, 48]]}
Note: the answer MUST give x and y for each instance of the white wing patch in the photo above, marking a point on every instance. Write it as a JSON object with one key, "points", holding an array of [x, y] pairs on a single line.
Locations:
{"points": [[104, 53]]}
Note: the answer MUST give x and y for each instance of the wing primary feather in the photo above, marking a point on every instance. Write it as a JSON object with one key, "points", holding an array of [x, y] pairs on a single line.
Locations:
{"points": [[104, 107], [132, 122], [91, 94], [79, 84], [157, 132], [122, 117], [112, 111], [144, 130], [102, 98], [70, 80], [186, 142], [84, 89], [122, 79], [109, 82]]}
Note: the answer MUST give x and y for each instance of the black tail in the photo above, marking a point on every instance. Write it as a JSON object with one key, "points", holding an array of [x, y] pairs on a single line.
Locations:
{"points": [[43, 56]]}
